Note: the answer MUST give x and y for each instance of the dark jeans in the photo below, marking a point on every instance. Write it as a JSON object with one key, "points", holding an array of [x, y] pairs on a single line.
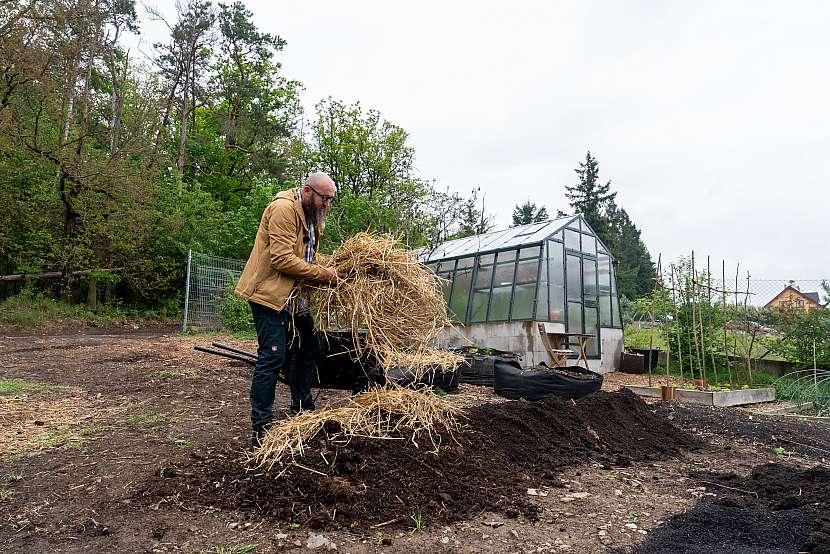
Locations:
{"points": [[282, 342]]}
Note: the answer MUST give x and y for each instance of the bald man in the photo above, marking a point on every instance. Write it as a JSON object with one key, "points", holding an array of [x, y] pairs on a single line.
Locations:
{"points": [[282, 257]]}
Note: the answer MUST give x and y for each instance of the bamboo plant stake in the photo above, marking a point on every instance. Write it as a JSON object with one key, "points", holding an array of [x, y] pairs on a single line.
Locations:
{"points": [[735, 337], [725, 344], [749, 342], [710, 309], [651, 333], [687, 302], [679, 335], [666, 329], [694, 319], [699, 305]]}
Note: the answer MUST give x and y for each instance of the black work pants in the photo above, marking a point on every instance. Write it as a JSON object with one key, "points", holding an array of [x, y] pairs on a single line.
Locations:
{"points": [[283, 340]]}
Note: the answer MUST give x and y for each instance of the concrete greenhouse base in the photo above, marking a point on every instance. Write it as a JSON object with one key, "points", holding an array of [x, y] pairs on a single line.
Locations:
{"points": [[522, 337]]}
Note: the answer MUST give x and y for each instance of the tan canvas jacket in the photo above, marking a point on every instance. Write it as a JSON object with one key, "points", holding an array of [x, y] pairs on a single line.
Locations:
{"points": [[277, 259]]}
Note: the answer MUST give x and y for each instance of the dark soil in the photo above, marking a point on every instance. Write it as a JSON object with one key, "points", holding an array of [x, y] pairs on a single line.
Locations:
{"points": [[807, 438], [505, 449], [775, 509]]}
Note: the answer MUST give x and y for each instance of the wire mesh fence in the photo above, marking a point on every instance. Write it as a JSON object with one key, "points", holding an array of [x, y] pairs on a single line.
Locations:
{"points": [[208, 280], [761, 292]]}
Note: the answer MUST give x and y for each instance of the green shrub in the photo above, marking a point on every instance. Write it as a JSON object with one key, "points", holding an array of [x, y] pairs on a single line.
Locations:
{"points": [[236, 312]]}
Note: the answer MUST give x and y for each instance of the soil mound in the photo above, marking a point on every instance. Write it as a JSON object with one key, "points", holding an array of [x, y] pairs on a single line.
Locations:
{"points": [[505, 449], [775, 509]]}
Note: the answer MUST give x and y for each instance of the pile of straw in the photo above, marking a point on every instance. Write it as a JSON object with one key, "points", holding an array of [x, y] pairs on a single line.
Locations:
{"points": [[390, 412], [393, 307], [386, 293]]}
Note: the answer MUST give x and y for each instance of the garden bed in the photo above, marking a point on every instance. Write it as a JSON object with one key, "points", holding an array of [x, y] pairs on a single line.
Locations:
{"points": [[721, 399]]}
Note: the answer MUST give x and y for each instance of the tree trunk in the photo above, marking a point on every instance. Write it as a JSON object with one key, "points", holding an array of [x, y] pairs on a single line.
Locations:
{"points": [[183, 124], [92, 294]]}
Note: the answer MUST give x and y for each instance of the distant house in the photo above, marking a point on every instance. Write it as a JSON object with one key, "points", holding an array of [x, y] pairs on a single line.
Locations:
{"points": [[791, 297]]}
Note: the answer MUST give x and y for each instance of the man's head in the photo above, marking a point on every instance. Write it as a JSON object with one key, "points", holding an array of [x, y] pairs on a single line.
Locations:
{"points": [[317, 195]]}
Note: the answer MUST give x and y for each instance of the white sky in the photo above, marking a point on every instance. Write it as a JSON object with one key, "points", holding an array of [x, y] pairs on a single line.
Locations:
{"points": [[710, 118]]}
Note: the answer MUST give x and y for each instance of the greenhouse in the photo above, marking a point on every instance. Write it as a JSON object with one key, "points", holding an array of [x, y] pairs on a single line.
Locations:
{"points": [[506, 289]]}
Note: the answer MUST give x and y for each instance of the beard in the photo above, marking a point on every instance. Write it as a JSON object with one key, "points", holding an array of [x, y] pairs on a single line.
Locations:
{"points": [[314, 216]]}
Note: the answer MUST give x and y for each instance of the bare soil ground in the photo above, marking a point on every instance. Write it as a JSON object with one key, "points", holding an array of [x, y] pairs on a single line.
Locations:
{"points": [[132, 443]]}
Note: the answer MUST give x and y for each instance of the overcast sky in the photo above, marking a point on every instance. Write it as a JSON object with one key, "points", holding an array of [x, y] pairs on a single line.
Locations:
{"points": [[711, 119]]}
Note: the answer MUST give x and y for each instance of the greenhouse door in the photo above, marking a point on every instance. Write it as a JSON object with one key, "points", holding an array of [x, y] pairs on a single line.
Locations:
{"points": [[590, 292], [583, 300]]}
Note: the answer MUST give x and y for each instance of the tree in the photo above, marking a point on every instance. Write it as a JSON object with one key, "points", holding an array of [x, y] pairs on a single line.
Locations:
{"points": [[528, 213], [635, 269], [182, 61], [588, 197], [473, 220]]}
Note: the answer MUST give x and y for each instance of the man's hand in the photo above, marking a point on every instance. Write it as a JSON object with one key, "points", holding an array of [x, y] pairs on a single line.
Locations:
{"points": [[333, 276]]}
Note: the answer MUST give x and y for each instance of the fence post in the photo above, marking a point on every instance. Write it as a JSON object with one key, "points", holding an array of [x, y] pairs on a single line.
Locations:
{"points": [[187, 290]]}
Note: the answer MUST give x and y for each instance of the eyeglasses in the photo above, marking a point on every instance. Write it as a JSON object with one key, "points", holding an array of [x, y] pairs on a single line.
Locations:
{"points": [[324, 197]]}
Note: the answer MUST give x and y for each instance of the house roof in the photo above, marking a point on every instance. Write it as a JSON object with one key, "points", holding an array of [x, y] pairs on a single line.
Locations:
{"points": [[512, 237], [811, 296]]}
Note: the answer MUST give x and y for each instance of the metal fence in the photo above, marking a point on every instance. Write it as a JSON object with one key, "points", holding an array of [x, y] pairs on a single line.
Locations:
{"points": [[761, 291], [208, 280]]}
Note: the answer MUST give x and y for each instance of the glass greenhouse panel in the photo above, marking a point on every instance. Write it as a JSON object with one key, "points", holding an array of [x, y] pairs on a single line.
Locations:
{"points": [[500, 304], [466, 262], [444, 267], [446, 285], [504, 275], [556, 277], [572, 239], [532, 252], [604, 273], [592, 348], [523, 301], [483, 276], [589, 245], [574, 276], [506, 256], [527, 271], [478, 310], [589, 280], [615, 301], [542, 311], [486, 259], [460, 294], [574, 317]]}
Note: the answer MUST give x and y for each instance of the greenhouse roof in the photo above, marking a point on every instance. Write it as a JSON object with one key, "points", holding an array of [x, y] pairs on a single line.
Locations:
{"points": [[514, 237]]}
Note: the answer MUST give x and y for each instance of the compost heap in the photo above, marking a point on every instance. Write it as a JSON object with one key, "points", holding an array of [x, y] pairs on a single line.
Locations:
{"points": [[393, 306]]}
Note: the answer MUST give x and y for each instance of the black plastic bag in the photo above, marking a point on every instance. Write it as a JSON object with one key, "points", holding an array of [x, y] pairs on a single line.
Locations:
{"points": [[535, 384], [433, 377]]}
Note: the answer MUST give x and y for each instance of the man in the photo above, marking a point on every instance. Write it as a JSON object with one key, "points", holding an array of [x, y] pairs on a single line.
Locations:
{"points": [[284, 249]]}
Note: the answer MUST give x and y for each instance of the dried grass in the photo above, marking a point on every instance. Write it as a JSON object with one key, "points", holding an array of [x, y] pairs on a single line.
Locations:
{"points": [[391, 303], [394, 308], [391, 412]]}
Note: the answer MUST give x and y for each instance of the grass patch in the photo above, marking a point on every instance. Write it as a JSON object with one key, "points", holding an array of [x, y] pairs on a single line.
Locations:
{"points": [[57, 436], [149, 417], [17, 386], [89, 431], [6, 495], [14, 477], [239, 549], [180, 443], [31, 310]]}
